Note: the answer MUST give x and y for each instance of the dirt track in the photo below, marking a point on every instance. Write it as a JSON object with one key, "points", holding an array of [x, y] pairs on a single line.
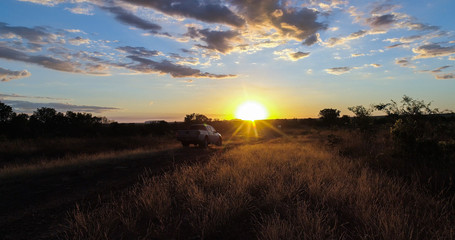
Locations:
{"points": [[36, 207]]}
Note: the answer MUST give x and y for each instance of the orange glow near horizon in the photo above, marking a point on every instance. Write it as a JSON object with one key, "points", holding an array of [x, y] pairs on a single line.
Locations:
{"points": [[251, 111]]}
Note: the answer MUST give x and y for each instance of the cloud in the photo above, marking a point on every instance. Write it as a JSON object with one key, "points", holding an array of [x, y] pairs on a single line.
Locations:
{"points": [[53, 63], [433, 50], [445, 76], [167, 67], [36, 35], [404, 62], [128, 18], [312, 39], [439, 69], [291, 55], [44, 2], [48, 62], [83, 10], [206, 11], [289, 22], [383, 21], [78, 41], [383, 8], [398, 45], [29, 107], [338, 70], [8, 75], [357, 54], [334, 41], [216, 40], [139, 51], [75, 31], [4, 96], [452, 58], [376, 65]]}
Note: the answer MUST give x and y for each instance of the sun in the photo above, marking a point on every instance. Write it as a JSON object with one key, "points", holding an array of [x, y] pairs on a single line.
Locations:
{"points": [[251, 111]]}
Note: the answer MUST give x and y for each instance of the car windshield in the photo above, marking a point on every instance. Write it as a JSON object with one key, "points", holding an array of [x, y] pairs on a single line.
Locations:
{"points": [[198, 127]]}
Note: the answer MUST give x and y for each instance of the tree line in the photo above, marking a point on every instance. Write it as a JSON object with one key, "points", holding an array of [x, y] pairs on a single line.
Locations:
{"points": [[47, 122]]}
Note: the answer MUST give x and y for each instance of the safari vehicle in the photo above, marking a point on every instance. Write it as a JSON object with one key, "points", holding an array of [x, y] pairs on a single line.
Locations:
{"points": [[199, 134]]}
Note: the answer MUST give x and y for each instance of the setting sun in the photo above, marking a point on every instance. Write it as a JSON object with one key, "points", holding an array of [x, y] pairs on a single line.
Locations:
{"points": [[251, 111]]}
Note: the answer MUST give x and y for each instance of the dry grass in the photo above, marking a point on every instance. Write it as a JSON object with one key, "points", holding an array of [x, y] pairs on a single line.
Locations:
{"points": [[276, 190], [46, 166]]}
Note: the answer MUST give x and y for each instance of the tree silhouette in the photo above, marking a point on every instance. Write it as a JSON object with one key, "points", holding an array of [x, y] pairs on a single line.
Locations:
{"points": [[196, 118], [6, 113], [44, 114], [329, 115]]}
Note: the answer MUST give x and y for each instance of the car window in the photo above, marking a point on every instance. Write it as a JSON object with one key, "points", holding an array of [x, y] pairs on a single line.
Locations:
{"points": [[197, 127]]}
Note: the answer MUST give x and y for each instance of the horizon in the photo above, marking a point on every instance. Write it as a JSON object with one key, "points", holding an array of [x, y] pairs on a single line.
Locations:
{"points": [[136, 61]]}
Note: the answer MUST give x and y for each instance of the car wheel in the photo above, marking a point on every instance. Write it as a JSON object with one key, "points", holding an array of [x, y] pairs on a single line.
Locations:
{"points": [[204, 143]]}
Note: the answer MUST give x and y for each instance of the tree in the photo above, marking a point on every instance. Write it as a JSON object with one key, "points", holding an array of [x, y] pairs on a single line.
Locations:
{"points": [[196, 118], [360, 111], [44, 114], [329, 115], [6, 113], [362, 117], [409, 107]]}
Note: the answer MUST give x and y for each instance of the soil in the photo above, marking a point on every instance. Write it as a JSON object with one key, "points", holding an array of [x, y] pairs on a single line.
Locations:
{"points": [[36, 207]]}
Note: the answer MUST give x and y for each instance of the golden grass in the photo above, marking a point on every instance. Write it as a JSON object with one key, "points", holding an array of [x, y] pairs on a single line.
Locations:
{"points": [[281, 189]]}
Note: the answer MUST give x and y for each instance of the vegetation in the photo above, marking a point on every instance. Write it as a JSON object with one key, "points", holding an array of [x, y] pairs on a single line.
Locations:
{"points": [[365, 177], [280, 189], [329, 115]]}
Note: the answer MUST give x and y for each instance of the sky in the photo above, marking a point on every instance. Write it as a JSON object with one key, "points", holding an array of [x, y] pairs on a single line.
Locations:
{"points": [[139, 60]]}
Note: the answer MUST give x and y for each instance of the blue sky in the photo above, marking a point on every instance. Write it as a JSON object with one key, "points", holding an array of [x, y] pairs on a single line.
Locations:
{"points": [[138, 60]]}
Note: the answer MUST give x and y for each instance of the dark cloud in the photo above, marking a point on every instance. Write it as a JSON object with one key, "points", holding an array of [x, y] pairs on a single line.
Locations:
{"points": [[167, 67], [338, 70], [139, 51], [433, 50], [36, 35], [206, 11], [311, 40], [56, 64], [357, 34], [48, 62], [446, 76], [439, 69], [290, 22], [8, 75], [216, 40], [299, 55], [4, 96], [29, 107], [131, 19], [403, 62], [420, 26], [188, 51], [397, 45], [382, 21]]}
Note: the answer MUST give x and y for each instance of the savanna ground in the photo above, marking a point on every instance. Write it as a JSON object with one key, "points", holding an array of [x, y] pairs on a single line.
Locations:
{"points": [[281, 183]]}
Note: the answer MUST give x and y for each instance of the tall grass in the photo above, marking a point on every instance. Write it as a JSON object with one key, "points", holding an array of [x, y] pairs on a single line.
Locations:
{"points": [[274, 190]]}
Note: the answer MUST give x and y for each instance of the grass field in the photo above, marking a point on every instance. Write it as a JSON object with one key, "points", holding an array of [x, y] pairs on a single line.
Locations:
{"points": [[294, 187], [265, 182]]}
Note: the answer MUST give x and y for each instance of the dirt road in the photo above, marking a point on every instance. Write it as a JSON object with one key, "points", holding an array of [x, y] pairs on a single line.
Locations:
{"points": [[36, 207]]}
